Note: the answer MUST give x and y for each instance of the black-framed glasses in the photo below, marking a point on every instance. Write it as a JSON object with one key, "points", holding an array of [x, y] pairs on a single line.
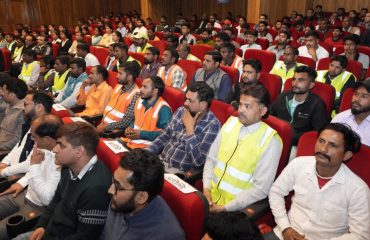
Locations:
{"points": [[117, 187]]}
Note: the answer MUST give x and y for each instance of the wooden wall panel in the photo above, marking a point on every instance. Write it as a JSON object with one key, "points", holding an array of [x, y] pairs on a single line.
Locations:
{"points": [[333, 5]]}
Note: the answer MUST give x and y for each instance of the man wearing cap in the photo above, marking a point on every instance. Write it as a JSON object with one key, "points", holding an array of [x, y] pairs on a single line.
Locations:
{"points": [[140, 44], [358, 116]]}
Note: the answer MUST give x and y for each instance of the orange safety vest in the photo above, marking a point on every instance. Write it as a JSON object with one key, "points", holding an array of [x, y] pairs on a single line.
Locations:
{"points": [[145, 120], [118, 104], [168, 80]]}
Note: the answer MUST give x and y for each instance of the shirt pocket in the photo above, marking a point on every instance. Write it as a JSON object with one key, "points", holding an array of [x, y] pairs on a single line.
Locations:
{"points": [[334, 215]]}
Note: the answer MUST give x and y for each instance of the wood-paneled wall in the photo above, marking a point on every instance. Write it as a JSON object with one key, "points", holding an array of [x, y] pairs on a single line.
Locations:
{"points": [[333, 5]]}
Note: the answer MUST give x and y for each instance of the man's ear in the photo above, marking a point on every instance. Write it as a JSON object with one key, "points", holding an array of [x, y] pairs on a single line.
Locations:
{"points": [[347, 156], [142, 197]]}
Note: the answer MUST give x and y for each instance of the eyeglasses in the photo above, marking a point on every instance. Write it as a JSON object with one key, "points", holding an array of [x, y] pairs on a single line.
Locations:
{"points": [[117, 187]]}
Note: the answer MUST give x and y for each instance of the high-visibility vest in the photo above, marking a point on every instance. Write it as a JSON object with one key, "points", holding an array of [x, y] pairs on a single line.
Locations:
{"points": [[27, 69], [338, 82], [192, 58], [146, 120], [167, 78], [118, 104], [60, 81], [237, 160], [279, 69], [17, 54]]}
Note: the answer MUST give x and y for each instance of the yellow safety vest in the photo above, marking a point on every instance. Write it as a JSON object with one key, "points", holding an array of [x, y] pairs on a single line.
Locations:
{"points": [[237, 160], [60, 81], [279, 69], [338, 82], [192, 58], [27, 69], [129, 59]]}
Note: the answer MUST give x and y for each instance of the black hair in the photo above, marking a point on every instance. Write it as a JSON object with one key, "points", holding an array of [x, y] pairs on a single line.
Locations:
{"points": [[229, 46], [264, 23], [121, 46], [352, 37], [119, 35], [223, 36], [259, 92], [295, 50], [313, 33], [147, 171], [102, 71], [174, 53], [205, 92], [41, 97], [252, 32], [154, 50], [17, 86], [84, 46], [254, 63], [4, 77], [216, 55], [64, 59], [79, 62], [49, 126], [158, 83], [131, 68], [306, 69], [48, 60], [30, 52], [341, 59]]}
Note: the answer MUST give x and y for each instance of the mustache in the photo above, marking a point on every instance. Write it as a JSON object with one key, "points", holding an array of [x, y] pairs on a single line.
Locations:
{"points": [[323, 155]]}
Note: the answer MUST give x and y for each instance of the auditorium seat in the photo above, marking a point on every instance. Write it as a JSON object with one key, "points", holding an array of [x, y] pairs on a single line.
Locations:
{"points": [[174, 97], [304, 60], [232, 72], [327, 47], [354, 67], [7, 59], [112, 79], [100, 53], [161, 45], [221, 110], [346, 99], [138, 56], [266, 58], [272, 83], [190, 67], [55, 48], [106, 155], [199, 50], [263, 42]]}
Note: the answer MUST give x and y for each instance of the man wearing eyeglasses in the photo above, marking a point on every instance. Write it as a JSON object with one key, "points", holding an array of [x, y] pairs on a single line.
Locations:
{"points": [[136, 211]]}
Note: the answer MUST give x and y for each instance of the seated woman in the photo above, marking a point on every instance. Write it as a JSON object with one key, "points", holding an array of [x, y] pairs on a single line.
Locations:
{"points": [[106, 40], [95, 39]]}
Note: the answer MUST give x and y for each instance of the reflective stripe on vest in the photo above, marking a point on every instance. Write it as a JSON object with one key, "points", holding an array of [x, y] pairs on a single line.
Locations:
{"points": [[26, 72]]}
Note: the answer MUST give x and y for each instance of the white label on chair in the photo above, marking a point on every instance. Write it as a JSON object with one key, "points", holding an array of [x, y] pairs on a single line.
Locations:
{"points": [[180, 184], [115, 146], [78, 119], [58, 107]]}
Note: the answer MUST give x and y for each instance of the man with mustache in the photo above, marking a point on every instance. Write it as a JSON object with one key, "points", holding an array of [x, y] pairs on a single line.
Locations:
{"points": [[185, 142], [312, 49], [358, 117], [304, 110], [330, 201], [242, 161]]}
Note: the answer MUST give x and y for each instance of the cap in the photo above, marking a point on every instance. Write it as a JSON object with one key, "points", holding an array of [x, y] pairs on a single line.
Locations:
{"points": [[139, 35]]}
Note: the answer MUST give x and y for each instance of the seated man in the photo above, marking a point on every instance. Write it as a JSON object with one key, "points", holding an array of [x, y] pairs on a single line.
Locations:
{"points": [[62, 70], [30, 68], [121, 55], [304, 110], [338, 77], [98, 95], [152, 64], [119, 113], [285, 69], [281, 45], [171, 73], [136, 210], [350, 51], [185, 142], [152, 114], [262, 31], [336, 39], [242, 161], [358, 117], [213, 75], [186, 37], [73, 49], [229, 58], [36, 105], [79, 207], [13, 93], [183, 49], [68, 95], [206, 38], [140, 44], [42, 176], [251, 37], [83, 51], [110, 60], [4, 77], [330, 201], [43, 47], [312, 49]]}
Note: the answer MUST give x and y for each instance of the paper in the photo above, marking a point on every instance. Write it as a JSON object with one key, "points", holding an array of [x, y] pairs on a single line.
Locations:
{"points": [[180, 184], [78, 119], [58, 107], [115, 146]]}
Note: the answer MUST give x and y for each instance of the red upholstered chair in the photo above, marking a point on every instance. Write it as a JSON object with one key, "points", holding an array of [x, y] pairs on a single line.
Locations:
{"points": [[273, 32], [364, 50], [240, 41], [266, 58], [137, 56], [367, 73], [199, 50], [87, 39], [264, 43], [239, 52], [106, 155], [191, 209], [232, 72], [161, 45], [190, 67], [353, 66], [128, 41], [55, 47], [303, 60], [174, 97], [159, 35], [339, 50], [60, 113], [272, 83], [346, 99], [112, 79], [323, 64], [327, 47], [101, 54], [7, 59], [88, 69], [325, 91], [221, 110]]}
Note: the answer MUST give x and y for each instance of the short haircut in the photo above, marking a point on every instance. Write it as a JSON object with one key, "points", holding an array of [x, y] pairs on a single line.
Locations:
{"points": [[245, 26], [223, 36], [254, 63], [287, 34], [259, 92], [264, 23], [49, 126], [306, 69], [352, 37], [252, 32], [265, 15], [338, 28], [365, 83], [102, 71], [341, 59], [82, 45], [41, 97], [48, 60], [229, 46], [186, 46], [79, 62], [352, 141], [186, 25], [147, 171], [121, 46], [158, 83], [313, 33], [4, 77], [205, 92], [64, 59], [131, 68], [174, 53], [216, 55], [295, 50], [230, 226], [80, 134], [154, 50], [30, 52], [17, 86]]}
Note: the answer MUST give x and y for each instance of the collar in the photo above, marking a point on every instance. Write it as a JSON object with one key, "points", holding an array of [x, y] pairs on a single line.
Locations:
{"points": [[143, 214], [125, 89], [85, 169], [148, 104], [252, 128], [18, 105], [102, 85], [339, 176]]}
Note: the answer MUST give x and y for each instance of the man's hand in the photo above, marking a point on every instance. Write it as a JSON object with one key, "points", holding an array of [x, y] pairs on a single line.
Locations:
{"points": [[101, 127], [16, 188], [189, 121], [38, 234], [85, 83], [207, 194], [291, 234], [37, 155], [312, 52], [132, 133], [217, 208], [3, 165]]}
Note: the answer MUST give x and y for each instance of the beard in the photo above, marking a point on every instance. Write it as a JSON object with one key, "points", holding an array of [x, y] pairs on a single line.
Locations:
{"points": [[146, 61], [360, 110], [127, 207], [299, 91]]}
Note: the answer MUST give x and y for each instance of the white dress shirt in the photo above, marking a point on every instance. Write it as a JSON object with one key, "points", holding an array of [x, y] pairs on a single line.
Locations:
{"points": [[91, 60], [320, 52], [13, 156]]}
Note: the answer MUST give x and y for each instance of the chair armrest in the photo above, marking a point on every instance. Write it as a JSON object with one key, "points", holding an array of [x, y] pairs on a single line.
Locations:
{"points": [[94, 120], [77, 108], [192, 175], [258, 209], [6, 182]]}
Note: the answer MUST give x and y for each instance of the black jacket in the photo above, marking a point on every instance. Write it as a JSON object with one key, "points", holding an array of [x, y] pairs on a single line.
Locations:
{"points": [[308, 116]]}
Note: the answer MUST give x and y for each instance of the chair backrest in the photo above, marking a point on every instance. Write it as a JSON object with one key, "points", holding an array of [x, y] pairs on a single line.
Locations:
{"points": [[362, 49], [128, 41], [327, 47], [7, 59], [191, 209], [101, 54], [55, 47], [263, 42], [190, 67], [199, 50], [323, 64], [107, 156], [359, 164], [112, 79], [232, 72], [87, 39], [220, 110], [303, 60], [325, 91], [353, 66], [367, 73], [174, 97], [272, 83], [346, 99], [60, 113], [266, 58], [138, 56], [161, 45], [239, 52], [88, 70]]}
